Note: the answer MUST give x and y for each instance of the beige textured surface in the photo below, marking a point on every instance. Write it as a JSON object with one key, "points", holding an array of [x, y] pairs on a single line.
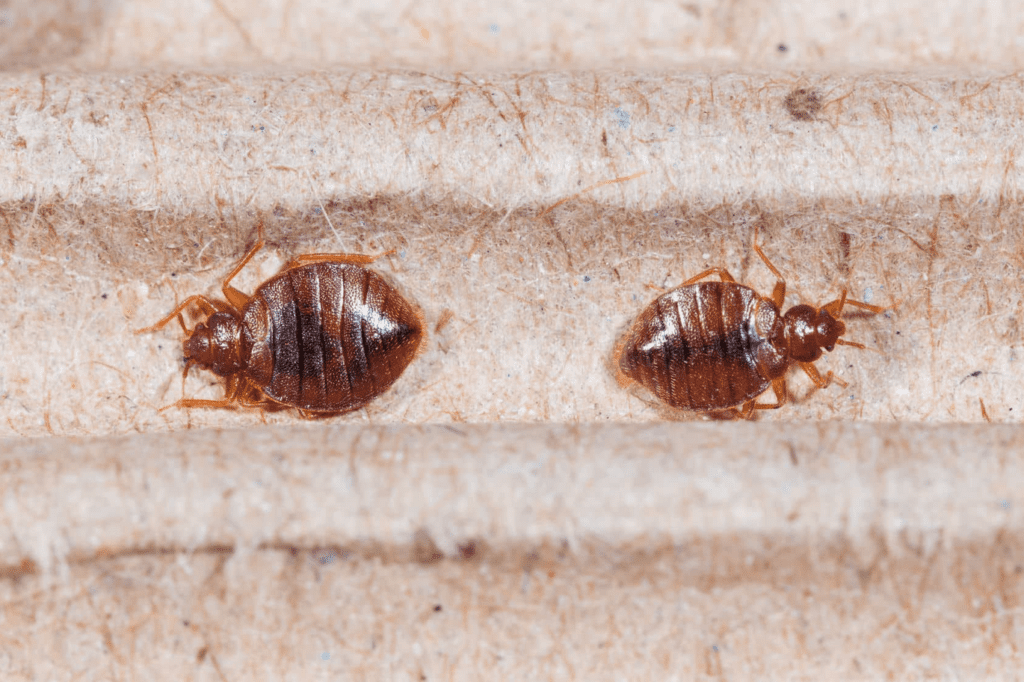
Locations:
{"points": [[538, 169], [508, 141], [663, 613], [474, 34], [539, 290], [526, 552], [506, 485]]}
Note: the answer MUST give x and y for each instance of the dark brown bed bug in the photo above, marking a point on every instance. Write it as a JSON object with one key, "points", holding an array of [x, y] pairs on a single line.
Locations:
{"points": [[716, 346], [325, 335]]}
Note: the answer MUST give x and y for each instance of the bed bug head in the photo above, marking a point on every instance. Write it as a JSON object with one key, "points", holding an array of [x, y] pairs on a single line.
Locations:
{"points": [[215, 345], [809, 330]]}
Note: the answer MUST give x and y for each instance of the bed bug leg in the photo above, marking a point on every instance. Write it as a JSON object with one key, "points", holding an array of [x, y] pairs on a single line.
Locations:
{"points": [[194, 402], [779, 292], [184, 373], [254, 404], [344, 258], [238, 394], [821, 381], [781, 398], [224, 403], [745, 412], [722, 273], [208, 307], [835, 308], [235, 297], [227, 401], [764, 258]]}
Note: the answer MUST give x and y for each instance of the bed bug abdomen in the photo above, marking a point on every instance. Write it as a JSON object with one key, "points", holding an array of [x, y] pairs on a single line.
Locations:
{"points": [[328, 336], [702, 346]]}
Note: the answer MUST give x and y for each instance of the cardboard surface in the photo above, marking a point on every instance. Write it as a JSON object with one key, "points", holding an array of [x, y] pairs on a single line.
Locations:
{"points": [[201, 143], [507, 510], [115, 210], [542, 551], [471, 35]]}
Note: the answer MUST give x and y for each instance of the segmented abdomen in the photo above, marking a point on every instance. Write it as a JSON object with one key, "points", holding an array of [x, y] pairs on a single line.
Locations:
{"points": [[328, 336], [696, 347]]}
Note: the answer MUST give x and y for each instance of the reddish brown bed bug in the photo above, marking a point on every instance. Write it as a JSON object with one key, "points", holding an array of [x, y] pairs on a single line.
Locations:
{"points": [[713, 346], [325, 335]]}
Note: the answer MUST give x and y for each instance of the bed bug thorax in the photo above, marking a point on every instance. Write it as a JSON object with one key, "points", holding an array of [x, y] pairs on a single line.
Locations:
{"points": [[715, 346], [325, 335]]}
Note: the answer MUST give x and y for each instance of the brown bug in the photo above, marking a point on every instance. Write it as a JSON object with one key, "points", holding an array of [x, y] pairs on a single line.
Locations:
{"points": [[709, 346], [324, 335]]}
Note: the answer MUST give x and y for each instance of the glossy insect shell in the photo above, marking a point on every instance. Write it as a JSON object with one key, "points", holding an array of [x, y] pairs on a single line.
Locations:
{"points": [[327, 337], [706, 346]]}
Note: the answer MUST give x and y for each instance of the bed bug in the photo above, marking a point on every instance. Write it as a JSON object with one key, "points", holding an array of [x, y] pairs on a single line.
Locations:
{"points": [[713, 346], [325, 335]]}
